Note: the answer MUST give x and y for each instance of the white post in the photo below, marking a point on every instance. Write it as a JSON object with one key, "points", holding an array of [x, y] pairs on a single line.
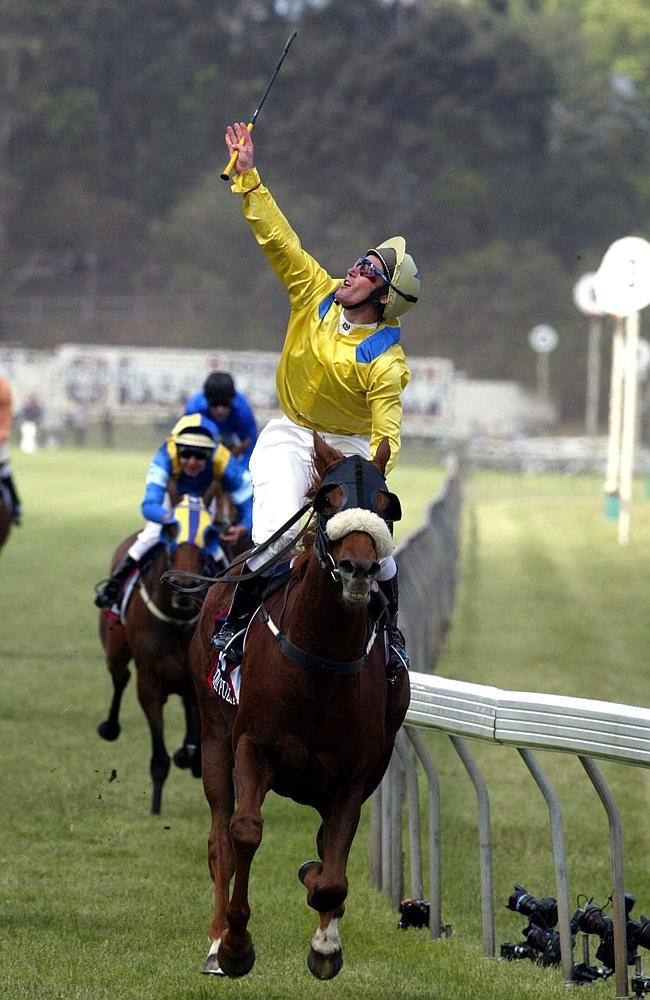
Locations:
{"points": [[615, 403], [543, 389], [593, 377], [629, 425]]}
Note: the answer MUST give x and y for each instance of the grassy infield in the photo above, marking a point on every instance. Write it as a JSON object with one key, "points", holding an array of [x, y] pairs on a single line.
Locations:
{"points": [[100, 900]]}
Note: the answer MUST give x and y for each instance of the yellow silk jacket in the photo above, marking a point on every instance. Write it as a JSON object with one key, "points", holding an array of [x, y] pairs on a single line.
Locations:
{"points": [[328, 380]]}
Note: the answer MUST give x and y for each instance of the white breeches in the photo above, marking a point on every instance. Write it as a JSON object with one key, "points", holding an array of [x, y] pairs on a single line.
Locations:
{"points": [[4, 456], [280, 467]]}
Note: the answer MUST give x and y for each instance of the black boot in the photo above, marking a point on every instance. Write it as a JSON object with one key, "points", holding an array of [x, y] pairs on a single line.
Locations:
{"points": [[398, 659], [108, 591], [16, 509], [245, 600]]}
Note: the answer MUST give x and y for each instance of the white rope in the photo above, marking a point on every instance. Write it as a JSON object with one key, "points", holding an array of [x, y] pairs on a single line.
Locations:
{"points": [[160, 615]]}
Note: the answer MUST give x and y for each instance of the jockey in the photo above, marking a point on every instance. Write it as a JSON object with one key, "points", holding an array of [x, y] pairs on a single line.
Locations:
{"points": [[5, 432], [341, 372], [220, 402], [191, 460]]}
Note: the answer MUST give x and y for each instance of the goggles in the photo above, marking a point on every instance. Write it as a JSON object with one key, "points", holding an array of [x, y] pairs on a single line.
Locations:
{"points": [[201, 454], [368, 270]]}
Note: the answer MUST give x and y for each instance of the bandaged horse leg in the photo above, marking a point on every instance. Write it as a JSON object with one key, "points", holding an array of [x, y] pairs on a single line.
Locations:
{"points": [[327, 883]]}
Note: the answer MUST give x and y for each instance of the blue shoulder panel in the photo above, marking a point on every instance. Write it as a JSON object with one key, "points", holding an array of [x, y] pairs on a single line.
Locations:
{"points": [[325, 305], [377, 343]]}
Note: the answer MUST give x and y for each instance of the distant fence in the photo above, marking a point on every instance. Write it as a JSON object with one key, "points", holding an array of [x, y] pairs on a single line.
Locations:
{"points": [[427, 562], [525, 721], [533, 455]]}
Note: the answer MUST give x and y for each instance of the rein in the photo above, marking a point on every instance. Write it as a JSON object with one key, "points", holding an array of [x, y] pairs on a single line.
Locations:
{"points": [[175, 577], [160, 615]]}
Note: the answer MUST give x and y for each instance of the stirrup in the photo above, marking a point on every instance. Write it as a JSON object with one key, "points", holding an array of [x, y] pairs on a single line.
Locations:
{"points": [[398, 658], [229, 640], [106, 594]]}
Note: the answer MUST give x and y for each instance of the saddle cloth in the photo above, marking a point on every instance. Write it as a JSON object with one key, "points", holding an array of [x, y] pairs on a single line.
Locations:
{"points": [[224, 680]]}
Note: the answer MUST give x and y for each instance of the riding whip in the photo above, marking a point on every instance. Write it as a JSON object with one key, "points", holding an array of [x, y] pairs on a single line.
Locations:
{"points": [[228, 169]]}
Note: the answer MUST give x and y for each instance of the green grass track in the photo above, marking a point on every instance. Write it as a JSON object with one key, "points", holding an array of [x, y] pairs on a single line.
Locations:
{"points": [[101, 901]]}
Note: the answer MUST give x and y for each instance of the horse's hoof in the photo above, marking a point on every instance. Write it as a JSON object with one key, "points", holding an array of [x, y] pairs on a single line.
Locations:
{"points": [[234, 965], [109, 730], [305, 868], [324, 966], [211, 966], [183, 758]]}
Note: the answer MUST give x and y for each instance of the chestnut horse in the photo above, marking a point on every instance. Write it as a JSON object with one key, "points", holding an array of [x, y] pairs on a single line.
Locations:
{"points": [[155, 632], [317, 717]]}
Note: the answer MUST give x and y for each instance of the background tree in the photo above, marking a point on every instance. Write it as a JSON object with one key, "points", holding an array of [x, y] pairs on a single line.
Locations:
{"points": [[488, 133]]}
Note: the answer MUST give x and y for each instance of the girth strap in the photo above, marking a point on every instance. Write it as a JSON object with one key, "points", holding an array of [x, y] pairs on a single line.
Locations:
{"points": [[317, 664]]}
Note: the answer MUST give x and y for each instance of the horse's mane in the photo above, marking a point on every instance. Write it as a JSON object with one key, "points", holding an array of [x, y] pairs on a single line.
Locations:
{"points": [[299, 564]]}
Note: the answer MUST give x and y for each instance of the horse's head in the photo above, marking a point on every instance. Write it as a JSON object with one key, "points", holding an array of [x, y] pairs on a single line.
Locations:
{"points": [[354, 508], [192, 543]]}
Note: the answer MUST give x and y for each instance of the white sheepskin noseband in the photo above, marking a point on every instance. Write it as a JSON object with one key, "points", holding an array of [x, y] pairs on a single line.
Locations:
{"points": [[357, 519]]}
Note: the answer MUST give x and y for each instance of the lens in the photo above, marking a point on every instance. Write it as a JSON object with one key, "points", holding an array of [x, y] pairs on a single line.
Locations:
{"points": [[415, 913], [546, 942], [193, 453], [592, 921], [542, 911], [643, 938]]}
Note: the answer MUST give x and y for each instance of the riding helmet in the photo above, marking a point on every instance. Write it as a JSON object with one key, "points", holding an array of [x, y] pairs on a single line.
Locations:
{"points": [[219, 389], [404, 284]]}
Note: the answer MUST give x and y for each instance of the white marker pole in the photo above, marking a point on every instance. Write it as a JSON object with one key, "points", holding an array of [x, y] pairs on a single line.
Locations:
{"points": [[628, 430], [593, 377], [615, 412]]}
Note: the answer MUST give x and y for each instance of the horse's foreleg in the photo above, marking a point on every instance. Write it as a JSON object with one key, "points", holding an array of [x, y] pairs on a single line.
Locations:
{"points": [[117, 659], [152, 700], [216, 749], [189, 754], [327, 884], [252, 781]]}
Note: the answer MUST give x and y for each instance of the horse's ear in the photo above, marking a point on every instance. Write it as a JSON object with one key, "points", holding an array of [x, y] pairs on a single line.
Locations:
{"points": [[382, 455], [324, 454]]}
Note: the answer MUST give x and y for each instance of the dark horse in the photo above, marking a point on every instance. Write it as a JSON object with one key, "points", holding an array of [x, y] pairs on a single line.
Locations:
{"points": [[316, 719], [5, 515], [156, 633]]}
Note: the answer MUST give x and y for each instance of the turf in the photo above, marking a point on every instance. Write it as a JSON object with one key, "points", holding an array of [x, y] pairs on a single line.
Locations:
{"points": [[98, 899]]}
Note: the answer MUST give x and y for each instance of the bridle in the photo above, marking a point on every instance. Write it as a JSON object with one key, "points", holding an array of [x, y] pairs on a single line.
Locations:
{"points": [[359, 484], [151, 605]]}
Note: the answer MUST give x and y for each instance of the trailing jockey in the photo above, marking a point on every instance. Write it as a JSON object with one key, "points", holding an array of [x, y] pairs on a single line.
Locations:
{"points": [[191, 460], [230, 411]]}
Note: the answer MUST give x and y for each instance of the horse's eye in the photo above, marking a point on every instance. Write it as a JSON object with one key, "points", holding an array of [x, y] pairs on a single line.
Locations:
{"points": [[332, 501]]}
